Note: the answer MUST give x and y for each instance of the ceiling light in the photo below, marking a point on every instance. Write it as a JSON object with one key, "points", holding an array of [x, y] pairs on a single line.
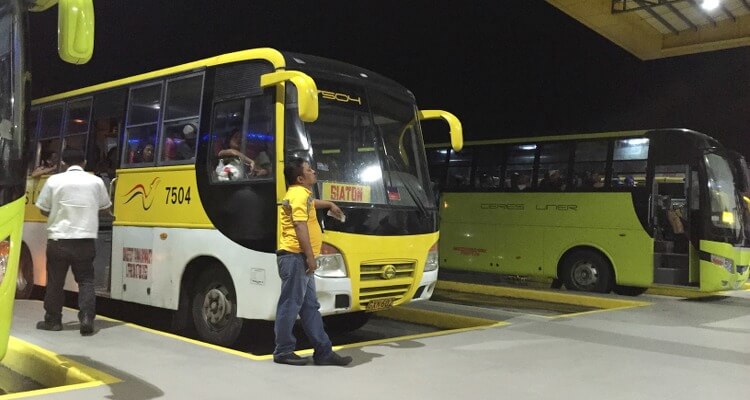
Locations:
{"points": [[709, 5]]}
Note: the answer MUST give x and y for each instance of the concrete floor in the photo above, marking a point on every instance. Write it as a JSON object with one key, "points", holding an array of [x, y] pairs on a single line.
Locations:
{"points": [[671, 349]]}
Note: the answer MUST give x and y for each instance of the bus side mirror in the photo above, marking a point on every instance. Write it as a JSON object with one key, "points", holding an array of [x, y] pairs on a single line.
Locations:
{"points": [[75, 34], [456, 131], [307, 91]]}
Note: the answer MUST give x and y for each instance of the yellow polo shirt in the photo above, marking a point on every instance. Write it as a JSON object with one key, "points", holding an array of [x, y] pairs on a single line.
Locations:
{"points": [[297, 206]]}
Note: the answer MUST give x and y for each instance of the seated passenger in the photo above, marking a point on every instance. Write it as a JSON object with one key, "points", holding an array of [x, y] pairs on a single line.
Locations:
{"points": [[233, 163], [182, 145], [48, 165], [552, 182], [147, 154]]}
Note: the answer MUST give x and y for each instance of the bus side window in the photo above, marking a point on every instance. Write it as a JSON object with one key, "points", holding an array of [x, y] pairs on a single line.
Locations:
{"points": [[182, 119], [629, 163], [519, 167], [144, 105], [589, 165]]}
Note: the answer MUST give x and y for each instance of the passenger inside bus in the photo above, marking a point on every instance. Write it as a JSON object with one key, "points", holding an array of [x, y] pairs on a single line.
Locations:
{"points": [[553, 181], [48, 165], [233, 164], [180, 142], [519, 182], [147, 154]]}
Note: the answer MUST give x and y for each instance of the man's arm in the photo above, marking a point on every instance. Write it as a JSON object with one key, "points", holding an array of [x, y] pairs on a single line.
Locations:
{"points": [[303, 237], [325, 204]]}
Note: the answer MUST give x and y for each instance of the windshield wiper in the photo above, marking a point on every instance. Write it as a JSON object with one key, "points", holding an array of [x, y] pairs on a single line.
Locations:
{"points": [[417, 201]]}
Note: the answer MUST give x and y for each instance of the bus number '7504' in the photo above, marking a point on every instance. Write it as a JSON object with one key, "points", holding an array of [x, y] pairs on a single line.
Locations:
{"points": [[177, 195]]}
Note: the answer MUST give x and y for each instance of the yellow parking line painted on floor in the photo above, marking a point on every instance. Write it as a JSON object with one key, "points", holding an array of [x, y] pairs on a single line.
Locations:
{"points": [[436, 319], [56, 372], [689, 293], [606, 304], [457, 323]]}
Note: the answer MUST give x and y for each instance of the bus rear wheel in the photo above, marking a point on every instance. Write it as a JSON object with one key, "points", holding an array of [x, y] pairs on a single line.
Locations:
{"points": [[343, 323], [587, 271], [623, 290], [25, 277], [214, 308]]}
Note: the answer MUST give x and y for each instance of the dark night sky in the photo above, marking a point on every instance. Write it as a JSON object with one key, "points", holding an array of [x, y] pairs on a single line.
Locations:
{"points": [[506, 69]]}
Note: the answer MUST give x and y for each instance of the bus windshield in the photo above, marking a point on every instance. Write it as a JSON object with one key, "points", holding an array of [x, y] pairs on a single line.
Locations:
{"points": [[725, 210], [367, 148]]}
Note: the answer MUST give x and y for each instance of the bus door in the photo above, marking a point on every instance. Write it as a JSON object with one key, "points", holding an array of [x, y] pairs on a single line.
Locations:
{"points": [[672, 211], [103, 160]]}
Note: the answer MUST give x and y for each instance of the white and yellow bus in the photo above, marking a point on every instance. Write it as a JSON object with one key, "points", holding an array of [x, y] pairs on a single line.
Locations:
{"points": [[75, 46], [196, 232], [612, 211]]}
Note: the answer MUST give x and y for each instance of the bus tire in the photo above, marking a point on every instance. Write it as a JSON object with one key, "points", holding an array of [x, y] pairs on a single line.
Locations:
{"points": [[587, 271], [25, 277], [214, 308], [629, 290], [343, 323]]}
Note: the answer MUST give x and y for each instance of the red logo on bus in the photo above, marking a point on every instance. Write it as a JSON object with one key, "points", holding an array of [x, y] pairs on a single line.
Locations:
{"points": [[145, 194]]}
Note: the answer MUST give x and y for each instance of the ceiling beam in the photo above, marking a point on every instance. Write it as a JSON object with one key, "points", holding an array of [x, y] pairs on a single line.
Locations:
{"points": [[682, 16], [658, 17]]}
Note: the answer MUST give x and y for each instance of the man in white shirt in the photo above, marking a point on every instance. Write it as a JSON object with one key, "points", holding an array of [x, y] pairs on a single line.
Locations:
{"points": [[71, 201]]}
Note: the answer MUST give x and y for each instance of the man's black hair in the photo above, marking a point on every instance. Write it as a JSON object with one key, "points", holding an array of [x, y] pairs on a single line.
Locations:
{"points": [[71, 156], [293, 169]]}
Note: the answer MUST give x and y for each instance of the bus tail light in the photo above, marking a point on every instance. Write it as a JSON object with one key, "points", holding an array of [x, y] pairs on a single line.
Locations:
{"points": [[330, 262], [4, 255], [432, 259]]}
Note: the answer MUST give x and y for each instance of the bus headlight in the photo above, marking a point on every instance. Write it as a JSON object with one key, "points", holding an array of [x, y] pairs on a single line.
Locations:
{"points": [[4, 254], [726, 263], [432, 259], [330, 263]]}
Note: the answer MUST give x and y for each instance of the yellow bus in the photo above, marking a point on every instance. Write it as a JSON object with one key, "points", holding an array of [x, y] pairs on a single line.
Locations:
{"points": [[75, 45], [596, 212], [194, 155]]}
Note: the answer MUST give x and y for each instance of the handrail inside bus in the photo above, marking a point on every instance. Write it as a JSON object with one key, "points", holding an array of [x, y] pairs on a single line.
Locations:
{"points": [[456, 131], [307, 91]]}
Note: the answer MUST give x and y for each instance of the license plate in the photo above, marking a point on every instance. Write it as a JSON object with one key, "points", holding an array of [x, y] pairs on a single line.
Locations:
{"points": [[379, 304]]}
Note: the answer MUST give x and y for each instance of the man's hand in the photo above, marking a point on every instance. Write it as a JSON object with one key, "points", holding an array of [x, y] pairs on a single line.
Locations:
{"points": [[336, 211], [311, 265]]}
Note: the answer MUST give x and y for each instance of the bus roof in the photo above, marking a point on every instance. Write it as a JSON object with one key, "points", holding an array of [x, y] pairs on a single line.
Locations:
{"points": [[273, 56], [578, 136]]}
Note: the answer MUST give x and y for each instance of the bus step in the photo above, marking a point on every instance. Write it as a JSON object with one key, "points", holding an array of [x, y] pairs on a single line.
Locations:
{"points": [[663, 246], [672, 276], [671, 260]]}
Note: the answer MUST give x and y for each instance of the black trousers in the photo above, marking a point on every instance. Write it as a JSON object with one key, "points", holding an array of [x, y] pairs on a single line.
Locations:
{"points": [[79, 255]]}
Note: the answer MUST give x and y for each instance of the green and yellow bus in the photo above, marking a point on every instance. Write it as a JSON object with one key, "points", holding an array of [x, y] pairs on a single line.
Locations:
{"points": [[596, 212], [194, 155], [75, 45]]}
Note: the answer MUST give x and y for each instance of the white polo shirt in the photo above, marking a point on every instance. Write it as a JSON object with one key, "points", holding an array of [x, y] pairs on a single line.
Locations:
{"points": [[73, 200]]}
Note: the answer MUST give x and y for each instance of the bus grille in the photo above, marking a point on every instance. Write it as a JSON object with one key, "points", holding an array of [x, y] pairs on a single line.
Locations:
{"points": [[376, 283]]}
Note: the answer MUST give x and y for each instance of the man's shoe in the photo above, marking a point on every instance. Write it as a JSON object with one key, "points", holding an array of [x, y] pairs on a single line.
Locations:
{"points": [[333, 359], [290, 359], [49, 325], [87, 325]]}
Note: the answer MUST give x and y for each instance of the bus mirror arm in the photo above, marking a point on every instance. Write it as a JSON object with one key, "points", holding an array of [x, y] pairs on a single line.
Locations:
{"points": [[307, 91], [456, 130]]}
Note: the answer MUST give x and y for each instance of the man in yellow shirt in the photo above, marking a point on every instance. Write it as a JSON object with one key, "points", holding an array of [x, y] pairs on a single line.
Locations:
{"points": [[301, 239]]}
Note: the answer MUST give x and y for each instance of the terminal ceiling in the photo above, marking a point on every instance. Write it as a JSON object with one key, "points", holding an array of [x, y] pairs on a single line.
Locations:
{"points": [[651, 29]]}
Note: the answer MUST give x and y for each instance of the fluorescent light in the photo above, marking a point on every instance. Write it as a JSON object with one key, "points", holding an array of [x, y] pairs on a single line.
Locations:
{"points": [[709, 5]]}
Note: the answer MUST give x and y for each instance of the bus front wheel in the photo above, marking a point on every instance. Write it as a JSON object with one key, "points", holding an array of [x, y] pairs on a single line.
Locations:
{"points": [[215, 308], [25, 277], [588, 271]]}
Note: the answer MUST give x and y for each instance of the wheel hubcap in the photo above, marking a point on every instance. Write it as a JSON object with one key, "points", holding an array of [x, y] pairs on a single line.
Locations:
{"points": [[585, 274], [217, 308]]}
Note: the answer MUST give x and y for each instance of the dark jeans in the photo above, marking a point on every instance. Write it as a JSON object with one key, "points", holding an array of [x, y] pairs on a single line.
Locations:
{"points": [[79, 255], [298, 297]]}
